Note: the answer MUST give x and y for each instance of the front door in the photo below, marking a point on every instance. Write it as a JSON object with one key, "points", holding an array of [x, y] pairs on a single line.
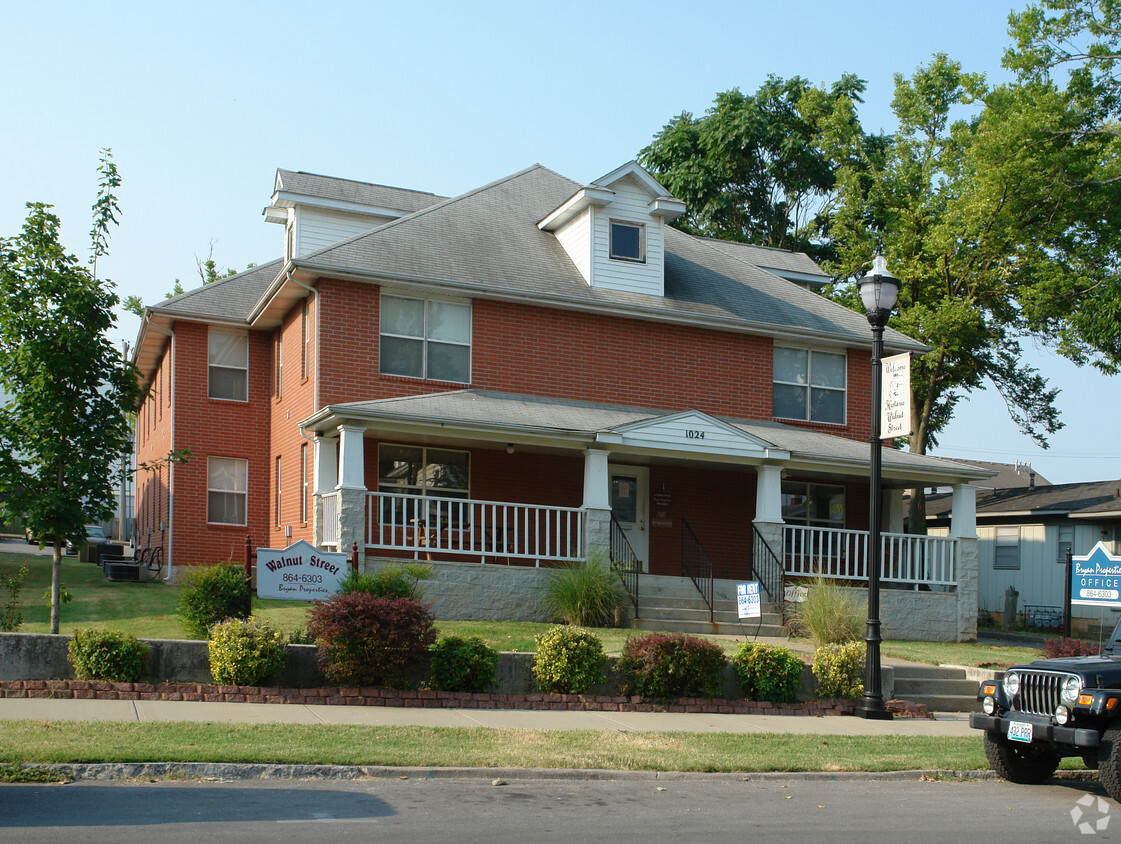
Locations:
{"points": [[630, 504]]}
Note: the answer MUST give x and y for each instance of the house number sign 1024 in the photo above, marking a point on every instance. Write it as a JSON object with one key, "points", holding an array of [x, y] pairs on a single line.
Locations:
{"points": [[691, 434]]}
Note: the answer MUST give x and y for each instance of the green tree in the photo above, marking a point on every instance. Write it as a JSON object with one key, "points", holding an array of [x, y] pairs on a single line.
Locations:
{"points": [[66, 423], [760, 168]]}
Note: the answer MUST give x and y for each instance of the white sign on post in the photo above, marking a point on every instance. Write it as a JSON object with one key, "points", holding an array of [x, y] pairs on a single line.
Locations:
{"points": [[747, 600], [895, 409], [300, 572]]}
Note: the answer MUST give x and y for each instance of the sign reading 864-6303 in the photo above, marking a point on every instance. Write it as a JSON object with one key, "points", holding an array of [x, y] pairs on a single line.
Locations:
{"points": [[1095, 579]]}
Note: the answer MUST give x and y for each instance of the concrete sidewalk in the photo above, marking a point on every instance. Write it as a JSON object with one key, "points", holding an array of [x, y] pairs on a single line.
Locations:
{"points": [[141, 711]]}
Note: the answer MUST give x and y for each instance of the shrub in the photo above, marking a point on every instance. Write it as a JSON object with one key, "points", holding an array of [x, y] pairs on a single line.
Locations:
{"points": [[367, 640], [831, 613], [108, 655], [245, 651], [586, 594], [212, 594], [10, 616], [390, 581], [839, 670], [767, 672], [463, 664], [1054, 648], [667, 665], [569, 660]]}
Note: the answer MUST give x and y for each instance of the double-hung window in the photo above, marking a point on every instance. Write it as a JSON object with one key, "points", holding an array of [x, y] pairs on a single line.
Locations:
{"points": [[1006, 548], [228, 360], [425, 338], [227, 488], [809, 385]]}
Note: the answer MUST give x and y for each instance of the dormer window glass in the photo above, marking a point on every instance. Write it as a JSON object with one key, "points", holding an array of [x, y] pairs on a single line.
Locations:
{"points": [[628, 241]]}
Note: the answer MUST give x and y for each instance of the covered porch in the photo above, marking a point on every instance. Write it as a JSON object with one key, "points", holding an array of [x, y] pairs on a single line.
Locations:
{"points": [[494, 481]]}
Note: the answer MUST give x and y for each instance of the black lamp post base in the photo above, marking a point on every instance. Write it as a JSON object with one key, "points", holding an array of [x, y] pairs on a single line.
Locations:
{"points": [[872, 711]]}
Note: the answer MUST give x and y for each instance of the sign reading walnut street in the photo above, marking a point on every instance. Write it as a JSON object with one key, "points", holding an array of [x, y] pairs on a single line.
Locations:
{"points": [[300, 572], [1095, 579]]}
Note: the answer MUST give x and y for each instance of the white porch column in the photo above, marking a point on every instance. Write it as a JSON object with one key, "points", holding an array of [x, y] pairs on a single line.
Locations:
{"points": [[597, 505], [768, 494], [352, 489], [894, 511], [963, 517], [326, 475]]}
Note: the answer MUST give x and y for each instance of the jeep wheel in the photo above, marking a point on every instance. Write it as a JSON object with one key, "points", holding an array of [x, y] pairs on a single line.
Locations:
{"points": [[1028, 764], [1109, 763]]}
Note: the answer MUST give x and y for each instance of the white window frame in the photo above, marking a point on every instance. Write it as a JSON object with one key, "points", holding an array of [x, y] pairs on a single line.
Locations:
{"points": [[303, 483], [809, 387], [279, 491], [1009, 539], [210, 488], [210, 366], [611, 224], [1064, 539], [425, 340]]}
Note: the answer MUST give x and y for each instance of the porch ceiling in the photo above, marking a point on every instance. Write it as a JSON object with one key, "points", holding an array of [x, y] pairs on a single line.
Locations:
{"points": [[645, 434]]}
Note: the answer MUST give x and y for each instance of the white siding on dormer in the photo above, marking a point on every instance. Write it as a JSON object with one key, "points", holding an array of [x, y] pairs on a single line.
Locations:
{"points": [[576, 238], [317, 228], [630, 205]]}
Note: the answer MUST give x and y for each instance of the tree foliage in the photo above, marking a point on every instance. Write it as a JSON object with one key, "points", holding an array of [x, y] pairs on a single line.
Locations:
{"points": [[65, 425]]}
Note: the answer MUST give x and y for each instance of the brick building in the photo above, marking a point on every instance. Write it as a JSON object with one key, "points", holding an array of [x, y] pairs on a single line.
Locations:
{"points": [[529, 372]]}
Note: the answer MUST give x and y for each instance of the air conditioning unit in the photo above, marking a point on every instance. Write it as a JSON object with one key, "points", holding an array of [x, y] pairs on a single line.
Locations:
{"points": [[122, 572]]}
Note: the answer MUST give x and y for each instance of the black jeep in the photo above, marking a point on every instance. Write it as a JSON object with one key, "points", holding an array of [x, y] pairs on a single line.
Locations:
{"points": [[1052, 708]]}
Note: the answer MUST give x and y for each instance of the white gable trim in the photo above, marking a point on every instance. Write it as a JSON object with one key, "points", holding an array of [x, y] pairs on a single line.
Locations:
{"points": [[697, 432], [639, 174], [582, 199]]}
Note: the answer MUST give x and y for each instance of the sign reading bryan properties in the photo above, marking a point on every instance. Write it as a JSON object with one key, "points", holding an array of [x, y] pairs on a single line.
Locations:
{"points": [[1095, 579], [895, 412], [300, 572]]}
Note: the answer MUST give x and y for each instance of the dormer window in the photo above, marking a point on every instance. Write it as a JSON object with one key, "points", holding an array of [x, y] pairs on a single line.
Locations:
{"points": [[628, 241]]}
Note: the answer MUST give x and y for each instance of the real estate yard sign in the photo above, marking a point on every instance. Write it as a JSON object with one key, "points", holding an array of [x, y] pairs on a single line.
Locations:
{"points": [[300, 572], [1095, 580]]}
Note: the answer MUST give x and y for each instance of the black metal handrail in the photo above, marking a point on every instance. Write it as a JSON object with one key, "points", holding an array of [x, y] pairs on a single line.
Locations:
{"points": [[625, 562], [696, 565], [768, 569]]}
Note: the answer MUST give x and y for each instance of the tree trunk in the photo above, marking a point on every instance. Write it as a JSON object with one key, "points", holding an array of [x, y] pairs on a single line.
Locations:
{"points": [[56, 583]]}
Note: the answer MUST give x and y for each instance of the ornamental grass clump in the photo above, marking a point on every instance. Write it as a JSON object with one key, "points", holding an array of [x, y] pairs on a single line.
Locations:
{"points": [[212, 594], [364, 640], [830, 614], [586, 594], [245, 651], [767, 672], [463, 664], [839, 670], [568, 660], [670, 665], [108, 655]]}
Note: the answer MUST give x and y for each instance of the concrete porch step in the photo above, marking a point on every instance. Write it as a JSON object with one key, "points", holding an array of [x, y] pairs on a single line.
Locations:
{"points": [[941, 689]]}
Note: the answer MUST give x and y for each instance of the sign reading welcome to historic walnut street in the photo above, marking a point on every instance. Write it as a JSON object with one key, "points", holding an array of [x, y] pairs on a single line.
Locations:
{"points": [[1095, 579], [300, 572]]}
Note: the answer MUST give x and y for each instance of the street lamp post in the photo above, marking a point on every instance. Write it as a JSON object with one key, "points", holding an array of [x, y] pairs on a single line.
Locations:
{"points": [[878, 291]]}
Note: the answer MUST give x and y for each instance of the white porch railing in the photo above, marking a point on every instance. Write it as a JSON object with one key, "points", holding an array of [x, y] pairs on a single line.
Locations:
{"points": [[906, 559], [490, 530], [331, 518]]}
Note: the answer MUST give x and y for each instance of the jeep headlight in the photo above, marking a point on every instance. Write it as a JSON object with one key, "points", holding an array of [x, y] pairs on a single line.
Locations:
{"points": [[1011, 685], [1071, 687]]}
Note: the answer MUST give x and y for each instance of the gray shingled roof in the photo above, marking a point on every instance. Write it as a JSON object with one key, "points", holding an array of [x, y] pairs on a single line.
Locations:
{"points": [[347, 190], [228, 299], [1084, 497], [769, 257], [563, 416], [488, 241]]}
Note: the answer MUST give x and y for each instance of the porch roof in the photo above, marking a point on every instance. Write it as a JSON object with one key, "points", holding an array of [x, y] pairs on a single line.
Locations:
{"points": [[486, 416]]}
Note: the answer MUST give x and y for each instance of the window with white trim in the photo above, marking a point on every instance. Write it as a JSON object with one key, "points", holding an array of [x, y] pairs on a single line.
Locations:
{"points": [[627, 241], [425, 338], [227, 490], [303, 482], [1006, 548], [820, 505], [279, 496], [809, 385], [1065, 542], [228, 365]]}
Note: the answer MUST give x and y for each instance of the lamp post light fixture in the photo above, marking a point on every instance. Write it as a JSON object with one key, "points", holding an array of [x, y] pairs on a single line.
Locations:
{"points": [[878, 290]]}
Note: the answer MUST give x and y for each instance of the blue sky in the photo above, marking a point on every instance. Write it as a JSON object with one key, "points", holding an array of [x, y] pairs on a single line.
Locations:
{"points": [[202, 102]]}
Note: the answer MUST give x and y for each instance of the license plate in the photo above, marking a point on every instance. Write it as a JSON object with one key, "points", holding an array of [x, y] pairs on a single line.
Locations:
{"points": [[1019, 731]]}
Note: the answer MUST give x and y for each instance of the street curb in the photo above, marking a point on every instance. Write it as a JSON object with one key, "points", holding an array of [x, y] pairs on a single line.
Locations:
{"points": [[225, 771]]}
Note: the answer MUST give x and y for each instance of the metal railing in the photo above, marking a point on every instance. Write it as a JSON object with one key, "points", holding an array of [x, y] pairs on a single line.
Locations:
{"points": [[624, 561], [766, 567], [489, 530], [907, 559], [331, 518], [696, 565]]}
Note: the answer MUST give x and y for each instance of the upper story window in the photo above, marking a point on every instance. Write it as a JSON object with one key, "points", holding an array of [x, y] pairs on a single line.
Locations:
{"points": [[809, 385], [628, 241], [228, 359], [425, 338]]}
